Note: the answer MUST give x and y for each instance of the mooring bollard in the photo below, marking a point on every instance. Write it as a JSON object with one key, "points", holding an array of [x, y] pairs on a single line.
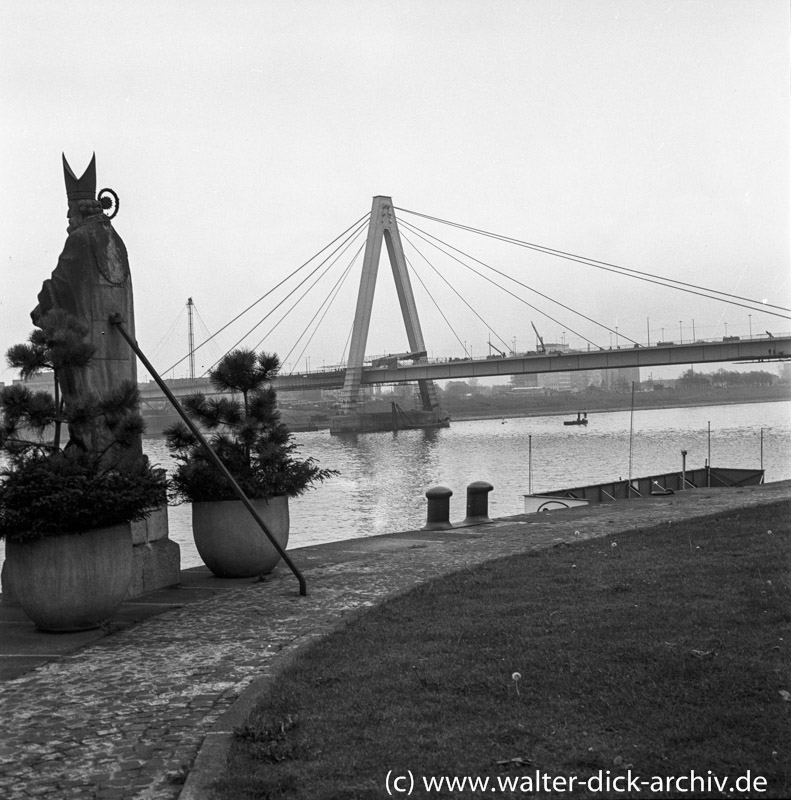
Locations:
{"points": [[478, 503], [438, 517]]}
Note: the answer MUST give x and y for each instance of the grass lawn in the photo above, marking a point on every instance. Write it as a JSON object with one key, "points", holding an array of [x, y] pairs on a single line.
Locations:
{"points": [[650, 654]]}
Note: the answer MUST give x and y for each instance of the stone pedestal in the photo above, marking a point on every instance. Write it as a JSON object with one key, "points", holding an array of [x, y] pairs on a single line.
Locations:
{"points": [[157, 559]]}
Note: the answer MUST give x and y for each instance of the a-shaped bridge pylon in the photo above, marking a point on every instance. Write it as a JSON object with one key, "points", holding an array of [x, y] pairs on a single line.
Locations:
{"points": [[382, 226]]}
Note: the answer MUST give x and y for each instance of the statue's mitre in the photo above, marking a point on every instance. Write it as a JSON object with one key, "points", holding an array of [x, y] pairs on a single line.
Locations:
{"points": [[83, 188]]}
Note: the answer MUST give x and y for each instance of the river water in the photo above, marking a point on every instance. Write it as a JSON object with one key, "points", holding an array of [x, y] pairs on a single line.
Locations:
{"points": [[384, 476]]}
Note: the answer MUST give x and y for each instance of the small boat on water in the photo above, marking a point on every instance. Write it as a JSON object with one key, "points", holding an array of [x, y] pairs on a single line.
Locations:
{"points": [[582, 419]]}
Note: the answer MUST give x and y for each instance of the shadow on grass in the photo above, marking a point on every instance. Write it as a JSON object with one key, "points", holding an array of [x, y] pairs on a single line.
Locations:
{"points": [[654, 653]]}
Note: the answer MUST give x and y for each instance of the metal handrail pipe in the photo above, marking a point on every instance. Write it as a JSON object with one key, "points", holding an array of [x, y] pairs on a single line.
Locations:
{"points": [[116, 320]]}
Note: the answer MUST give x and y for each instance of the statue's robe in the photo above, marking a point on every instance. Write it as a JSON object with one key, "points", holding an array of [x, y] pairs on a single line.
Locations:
{"points": [[92, 281]]}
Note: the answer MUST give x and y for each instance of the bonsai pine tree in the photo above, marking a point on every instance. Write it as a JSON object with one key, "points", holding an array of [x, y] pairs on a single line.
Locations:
{"points": [[247, 434], [59, 344], [47, 488]]}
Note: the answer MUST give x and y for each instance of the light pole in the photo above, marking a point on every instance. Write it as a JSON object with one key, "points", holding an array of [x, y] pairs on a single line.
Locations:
{"points": [[726, 330], [693, 330], [750, 318], [680, 333]]}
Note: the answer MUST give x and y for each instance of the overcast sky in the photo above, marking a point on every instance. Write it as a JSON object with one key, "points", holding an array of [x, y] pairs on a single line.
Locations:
{"points": [[242, 137]]}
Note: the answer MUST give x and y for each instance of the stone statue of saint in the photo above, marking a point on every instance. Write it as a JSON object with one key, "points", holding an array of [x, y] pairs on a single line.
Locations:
{"points": [[92, 281]]}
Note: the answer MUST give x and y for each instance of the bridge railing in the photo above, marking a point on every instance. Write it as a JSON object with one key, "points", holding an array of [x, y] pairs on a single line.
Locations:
{"points": [[589, 349]]}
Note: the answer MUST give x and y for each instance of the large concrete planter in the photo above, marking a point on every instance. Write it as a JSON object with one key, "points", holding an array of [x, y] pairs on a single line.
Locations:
{"points": [[230, 541], [73, 582]]}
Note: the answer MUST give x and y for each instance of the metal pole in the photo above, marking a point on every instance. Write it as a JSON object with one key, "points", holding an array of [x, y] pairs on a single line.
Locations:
{"points": [[631, 431], [191, 338], [530, 464], [116, 320], [683, 469], [708, 472], [762, 448]]}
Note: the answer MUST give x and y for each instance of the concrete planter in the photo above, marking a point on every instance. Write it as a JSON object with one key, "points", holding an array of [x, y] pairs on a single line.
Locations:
{"points": [[73, 582], [230, 541]]}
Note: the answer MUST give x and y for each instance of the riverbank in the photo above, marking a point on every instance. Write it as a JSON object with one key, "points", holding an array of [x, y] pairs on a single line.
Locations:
{"points": [[643, 401], [484, 404], [470, 674]]}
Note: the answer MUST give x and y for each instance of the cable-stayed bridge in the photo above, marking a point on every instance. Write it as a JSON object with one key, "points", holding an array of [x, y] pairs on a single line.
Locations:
{"points": [[758, 348], [358, 370]]}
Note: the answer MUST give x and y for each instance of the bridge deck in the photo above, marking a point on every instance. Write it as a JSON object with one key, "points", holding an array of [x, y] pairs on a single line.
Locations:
{"points": [[754, 349]]}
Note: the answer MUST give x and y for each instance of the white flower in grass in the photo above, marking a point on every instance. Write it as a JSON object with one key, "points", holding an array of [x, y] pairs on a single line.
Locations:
{"points": [[516, 677]]}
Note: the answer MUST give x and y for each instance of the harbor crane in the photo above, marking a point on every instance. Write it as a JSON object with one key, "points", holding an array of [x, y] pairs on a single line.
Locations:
{"points": [[495, 348], [540, 348]]}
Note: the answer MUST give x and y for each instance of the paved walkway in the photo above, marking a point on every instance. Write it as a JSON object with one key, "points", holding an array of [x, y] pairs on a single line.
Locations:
{"points": [[133, 713]]}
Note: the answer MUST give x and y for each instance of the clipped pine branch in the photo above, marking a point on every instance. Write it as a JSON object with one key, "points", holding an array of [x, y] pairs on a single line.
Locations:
{"points": [[252, 442], [237, 372]]}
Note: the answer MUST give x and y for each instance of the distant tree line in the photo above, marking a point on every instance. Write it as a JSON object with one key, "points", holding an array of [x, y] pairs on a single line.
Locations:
{"points": [[689, 381], [725, 379]]}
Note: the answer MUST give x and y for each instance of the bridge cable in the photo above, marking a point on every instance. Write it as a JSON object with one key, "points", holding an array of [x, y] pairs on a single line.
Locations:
{"points": [[339, 251], [342, 249], [455, 291], [523, 285], [604, 265], [452, 288], [758, 305], [205, 332], [447, 321], [519, 283], [340, 286], [301, 298], [333, 297], [346, 345], [169, 332], [263, 296], [328, 301], [300, 285]]}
